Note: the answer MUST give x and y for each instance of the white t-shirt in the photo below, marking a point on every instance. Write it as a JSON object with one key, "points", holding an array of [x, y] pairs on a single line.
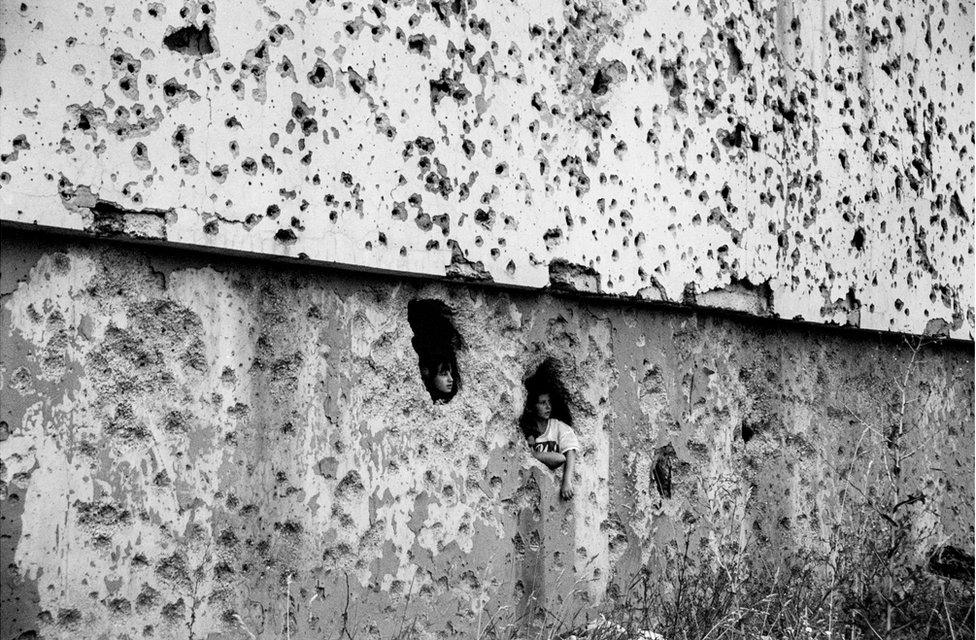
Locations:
{"points": [[558, 436]]}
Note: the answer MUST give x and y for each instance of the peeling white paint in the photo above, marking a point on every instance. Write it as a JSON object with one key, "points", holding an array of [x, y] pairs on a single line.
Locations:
{"points": [[647, 151]]}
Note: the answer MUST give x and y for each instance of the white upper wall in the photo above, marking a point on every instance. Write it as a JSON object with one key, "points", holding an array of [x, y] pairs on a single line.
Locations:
{"points": [[807, 160]]}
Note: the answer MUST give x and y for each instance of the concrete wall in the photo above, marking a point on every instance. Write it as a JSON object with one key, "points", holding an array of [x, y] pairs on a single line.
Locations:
{"points": [[199, 447], [807, 160]]}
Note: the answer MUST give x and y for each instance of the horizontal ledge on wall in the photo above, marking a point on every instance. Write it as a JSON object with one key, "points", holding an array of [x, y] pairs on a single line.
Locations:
{"points": [[559, 292]]}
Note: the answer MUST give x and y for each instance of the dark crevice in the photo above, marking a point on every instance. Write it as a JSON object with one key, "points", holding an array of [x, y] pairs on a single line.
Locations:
{"points": [[951, 562], [748, 432], [663, 466]]}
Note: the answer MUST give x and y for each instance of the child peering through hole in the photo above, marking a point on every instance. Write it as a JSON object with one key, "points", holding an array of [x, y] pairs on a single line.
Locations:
{"points": [[436, 341], [547, 425], [440, 375]]}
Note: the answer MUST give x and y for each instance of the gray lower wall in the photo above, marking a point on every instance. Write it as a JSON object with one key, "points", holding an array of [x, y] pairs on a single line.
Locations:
{"points": [[196, 446]]}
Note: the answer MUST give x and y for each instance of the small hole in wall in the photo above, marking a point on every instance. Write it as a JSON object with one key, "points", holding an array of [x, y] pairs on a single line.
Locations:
{"points": [[436, 341], [748, 431], [661, 472]]}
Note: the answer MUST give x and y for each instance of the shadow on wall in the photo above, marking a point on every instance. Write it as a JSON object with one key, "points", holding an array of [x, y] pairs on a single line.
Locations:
{"points": [[437, 342]]}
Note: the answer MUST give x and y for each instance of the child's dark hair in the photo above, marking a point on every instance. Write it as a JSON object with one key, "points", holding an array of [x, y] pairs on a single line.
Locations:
{"points": [[436, 341], [544, 380]]}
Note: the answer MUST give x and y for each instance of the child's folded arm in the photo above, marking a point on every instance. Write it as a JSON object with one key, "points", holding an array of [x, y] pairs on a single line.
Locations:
{"points": [[549, 458]]}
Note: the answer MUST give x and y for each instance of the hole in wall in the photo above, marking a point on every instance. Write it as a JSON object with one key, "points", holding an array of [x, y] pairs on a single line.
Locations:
{"points": [[436, 341], [662, 470], [546, 379], [748, 431], [190, 41]]}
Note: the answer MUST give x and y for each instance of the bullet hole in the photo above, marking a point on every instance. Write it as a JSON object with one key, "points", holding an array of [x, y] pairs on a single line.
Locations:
{"points": [[662, 470], [232, 122], [419, 43], [606, 76], [250, 166], [286, 236], [190, 41], [842, 156], [251, 221], [735, 56], [436, 342], [302, 114], [173, 92], [219, 173], [273, 211], [735, 138], [189, 164], [485, 218], [356, 81], [956, 208], [280, 33], [674, 84], [448, 84], [399, 211], [858, 240], [211, 228], [424, 144], [140, 156], [552, 237], [321, 74]]}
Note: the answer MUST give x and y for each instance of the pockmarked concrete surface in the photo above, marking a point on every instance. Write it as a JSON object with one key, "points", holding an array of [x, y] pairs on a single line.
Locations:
{"points": [[195, 447], [808, 160]]}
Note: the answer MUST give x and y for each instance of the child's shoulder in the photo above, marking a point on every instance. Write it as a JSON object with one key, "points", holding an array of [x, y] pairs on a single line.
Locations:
{"points": [[559, 425]]}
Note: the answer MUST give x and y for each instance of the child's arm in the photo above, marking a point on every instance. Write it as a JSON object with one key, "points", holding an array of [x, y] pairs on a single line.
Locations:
{"points": [[568, 472], [551, 459]]}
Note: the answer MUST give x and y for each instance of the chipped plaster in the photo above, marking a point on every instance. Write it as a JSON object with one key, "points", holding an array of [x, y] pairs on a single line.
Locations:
{"points": [[194, 446], [805, 160]]}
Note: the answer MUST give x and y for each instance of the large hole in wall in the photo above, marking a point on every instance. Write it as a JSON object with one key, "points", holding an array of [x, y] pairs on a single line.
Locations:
{"points": [[190, 41], [545, 379], [437, 343]]}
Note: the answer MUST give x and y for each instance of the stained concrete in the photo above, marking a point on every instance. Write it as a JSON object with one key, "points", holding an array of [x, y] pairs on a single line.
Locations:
{"points": [[808, 160], [195, 446]]}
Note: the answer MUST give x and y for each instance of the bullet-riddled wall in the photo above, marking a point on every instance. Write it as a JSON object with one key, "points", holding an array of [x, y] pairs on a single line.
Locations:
{"points": [[808, 160], [204, 447]]}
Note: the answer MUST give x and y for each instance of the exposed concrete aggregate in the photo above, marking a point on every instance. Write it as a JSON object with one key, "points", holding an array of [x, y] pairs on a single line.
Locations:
{"points": [[805, 160], [197, 447]]}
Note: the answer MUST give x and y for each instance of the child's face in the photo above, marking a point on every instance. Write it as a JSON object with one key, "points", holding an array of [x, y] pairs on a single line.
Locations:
{"points": [[443, 380], [543, 406]]}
